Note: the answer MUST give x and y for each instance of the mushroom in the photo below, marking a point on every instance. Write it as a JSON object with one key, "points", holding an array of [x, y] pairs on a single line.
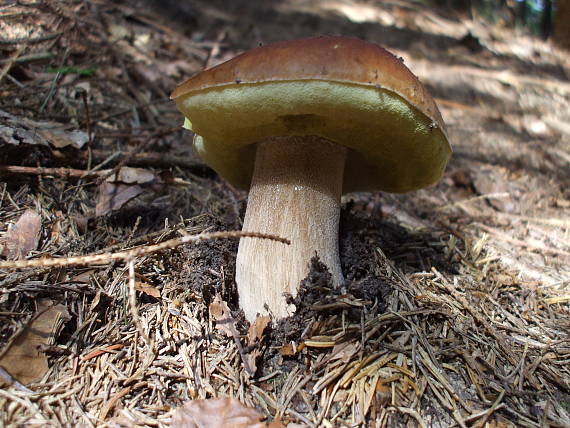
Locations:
{"points": [[298, 123]]}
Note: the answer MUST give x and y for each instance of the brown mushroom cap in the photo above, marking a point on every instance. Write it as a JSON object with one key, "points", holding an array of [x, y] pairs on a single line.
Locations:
{"points": [[343, 89]]}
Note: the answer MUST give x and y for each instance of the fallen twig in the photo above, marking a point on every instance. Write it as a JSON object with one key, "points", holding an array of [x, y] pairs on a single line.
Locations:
{"points": [[101, 175], [137, 252]]}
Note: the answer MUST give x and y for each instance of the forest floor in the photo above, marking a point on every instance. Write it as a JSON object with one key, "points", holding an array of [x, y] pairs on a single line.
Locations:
{"points": [[456, 310]]}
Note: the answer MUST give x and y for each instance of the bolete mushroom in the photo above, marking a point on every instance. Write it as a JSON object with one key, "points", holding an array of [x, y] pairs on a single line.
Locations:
{"points": [[298, 123]]}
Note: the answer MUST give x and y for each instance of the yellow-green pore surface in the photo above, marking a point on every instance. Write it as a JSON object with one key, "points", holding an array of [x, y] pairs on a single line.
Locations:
{"points": [[394, 147]]}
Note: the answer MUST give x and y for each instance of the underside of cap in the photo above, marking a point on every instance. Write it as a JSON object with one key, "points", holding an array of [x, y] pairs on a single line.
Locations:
{"points": [[395, 147]]}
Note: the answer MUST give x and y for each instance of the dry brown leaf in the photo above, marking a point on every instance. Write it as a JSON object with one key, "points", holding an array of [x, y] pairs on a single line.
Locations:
{"points": [[118, 32], [219, 413], [292, 348], [23, 236], [147, 289], [84, 277], [142, 285], [21, 130], [23, 358], [251, 360], [129, 175], [344, 351], [56, 228], [288, 350], [113, 196], [499, 422], [100, 301], [383, 393], [255, 332], [495, 182], [221, 313], [60, 138], [254, 335], [121, 187]]}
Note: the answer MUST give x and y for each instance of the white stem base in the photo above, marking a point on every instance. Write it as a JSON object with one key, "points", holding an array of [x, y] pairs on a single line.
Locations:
{"points": [[295, 193]]}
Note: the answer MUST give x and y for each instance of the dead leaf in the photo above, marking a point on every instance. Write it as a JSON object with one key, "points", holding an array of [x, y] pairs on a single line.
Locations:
{"points": [[113, 196], [255, 332], [142, 284], [488, 182], [55, 233], [100, 302], [383, 393], [128, 175], [118, 32], [219, 413], [22, 357], [20, 130], [163, 72], [254, 336], [6, 380], [60, 138], [461, 178], [344, 351], [499, 422], [147, 289], [121, 187], [17, 135], [84, 277], [23, 236], [221, 313], [82, 222], [288, 350]]}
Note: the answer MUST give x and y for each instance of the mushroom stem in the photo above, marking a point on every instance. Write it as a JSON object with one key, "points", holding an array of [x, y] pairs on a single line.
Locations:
{"points": [[295, 193]]}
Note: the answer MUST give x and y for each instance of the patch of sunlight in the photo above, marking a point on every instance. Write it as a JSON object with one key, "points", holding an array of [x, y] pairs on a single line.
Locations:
{"points": [[359, 12]]}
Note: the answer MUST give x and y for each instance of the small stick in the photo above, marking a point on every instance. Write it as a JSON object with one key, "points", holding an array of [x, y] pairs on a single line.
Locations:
{"points": [[87, 117], [133, 304], [101, 175], [59, 172], [139, 251]]}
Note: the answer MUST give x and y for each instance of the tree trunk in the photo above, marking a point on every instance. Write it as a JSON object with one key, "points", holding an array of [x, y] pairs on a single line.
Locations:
{"points": [[522, 13], [546, 20], [561, 26]]}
